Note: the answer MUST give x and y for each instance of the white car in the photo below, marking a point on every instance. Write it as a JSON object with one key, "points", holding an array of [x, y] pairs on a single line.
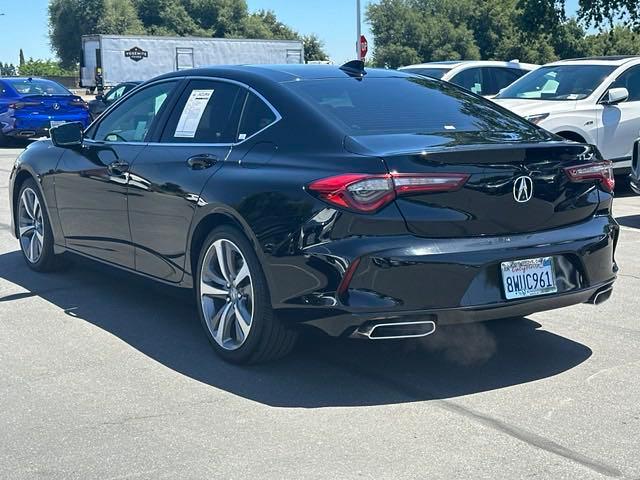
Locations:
{"points": [[593, 100], [484, 78]]}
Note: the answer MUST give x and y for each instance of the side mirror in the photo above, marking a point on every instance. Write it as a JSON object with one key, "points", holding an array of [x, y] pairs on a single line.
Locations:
{"points": [[67, 135], [616, 95]]}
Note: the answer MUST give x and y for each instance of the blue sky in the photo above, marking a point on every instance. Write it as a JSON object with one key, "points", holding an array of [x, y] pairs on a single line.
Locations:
{"points": [[24, 24]]}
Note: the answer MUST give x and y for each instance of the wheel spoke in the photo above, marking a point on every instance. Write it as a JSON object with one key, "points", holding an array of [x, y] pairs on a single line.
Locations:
{"points": [[32, 253], [27, 229], [212, 290], [223, 323], [243, 318], [26, 206], [221, 255], [242, 274]]}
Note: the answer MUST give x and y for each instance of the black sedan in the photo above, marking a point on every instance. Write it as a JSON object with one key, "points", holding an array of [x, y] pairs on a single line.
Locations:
{"points": [[371, 204], [99, 104]]}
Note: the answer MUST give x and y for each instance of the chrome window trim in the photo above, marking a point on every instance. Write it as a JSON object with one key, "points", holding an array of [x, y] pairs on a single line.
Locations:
{"points": [[205, 144]]}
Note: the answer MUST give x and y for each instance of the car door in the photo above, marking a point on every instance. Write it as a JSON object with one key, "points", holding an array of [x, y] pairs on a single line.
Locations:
{"points": [[501, 77], [167, 179], [619, 124], [471, 79], [91, 182]]}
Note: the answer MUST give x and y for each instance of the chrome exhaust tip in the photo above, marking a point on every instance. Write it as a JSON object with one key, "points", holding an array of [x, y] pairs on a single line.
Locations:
{"points": [[396, 330], [27, 133], [601, 296]]}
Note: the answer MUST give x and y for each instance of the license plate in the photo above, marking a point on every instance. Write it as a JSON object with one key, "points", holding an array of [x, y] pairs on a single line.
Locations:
{"points": [[55, 123], [528, 278]]}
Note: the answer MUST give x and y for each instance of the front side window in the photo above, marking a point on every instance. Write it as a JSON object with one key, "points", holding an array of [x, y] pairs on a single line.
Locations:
{"points": [[132, 119], [471, 79], [558, 82], [208, 112], [256, 116], [401, 105], [631, 81], [114, 94]]}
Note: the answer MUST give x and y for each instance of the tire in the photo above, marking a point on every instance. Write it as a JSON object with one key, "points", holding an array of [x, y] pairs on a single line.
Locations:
{"points": [[228, 290], [33, 223]]}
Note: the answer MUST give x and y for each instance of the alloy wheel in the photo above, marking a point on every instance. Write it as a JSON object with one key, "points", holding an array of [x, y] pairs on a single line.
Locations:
{"points": [[30, 225], [226, 294]]}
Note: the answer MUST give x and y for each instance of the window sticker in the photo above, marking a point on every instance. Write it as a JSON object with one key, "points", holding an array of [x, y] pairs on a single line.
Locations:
{"points": [[192, 113]]}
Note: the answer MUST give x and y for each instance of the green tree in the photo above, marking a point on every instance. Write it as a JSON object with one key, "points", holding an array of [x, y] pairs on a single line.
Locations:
{"points": [[7, 70], [120, 17], [313, 48], [68, 21], [44, 68], [21, 58], [617, 41]]}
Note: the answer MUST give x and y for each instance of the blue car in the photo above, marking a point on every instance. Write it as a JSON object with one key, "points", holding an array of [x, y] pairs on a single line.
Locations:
{"points": [[29, 107]]}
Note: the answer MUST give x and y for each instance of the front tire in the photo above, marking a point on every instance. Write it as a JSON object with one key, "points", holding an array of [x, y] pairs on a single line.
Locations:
{"points": [[234, 303], [34, 229]]}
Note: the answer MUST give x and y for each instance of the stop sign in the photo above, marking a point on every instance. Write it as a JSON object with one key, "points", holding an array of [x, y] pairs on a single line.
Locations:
{"points": [[363, 46]]}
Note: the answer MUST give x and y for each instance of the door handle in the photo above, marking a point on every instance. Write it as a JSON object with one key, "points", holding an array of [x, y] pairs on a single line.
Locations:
{"points": [[200, 162], [118, 167]]}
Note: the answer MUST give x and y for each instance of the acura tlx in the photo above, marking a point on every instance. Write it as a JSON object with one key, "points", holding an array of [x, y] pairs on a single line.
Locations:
{"points": [[370, 203]]}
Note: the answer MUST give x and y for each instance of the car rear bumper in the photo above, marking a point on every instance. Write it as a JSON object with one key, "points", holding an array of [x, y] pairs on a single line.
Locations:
{"points": [[455, 280], [31, 126]]}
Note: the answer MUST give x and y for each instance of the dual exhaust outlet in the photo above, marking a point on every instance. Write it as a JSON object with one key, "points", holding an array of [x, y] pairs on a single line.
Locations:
{"points": [[396, 330]]}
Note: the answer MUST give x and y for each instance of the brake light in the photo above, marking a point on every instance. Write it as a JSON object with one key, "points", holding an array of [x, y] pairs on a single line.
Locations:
{"points": [[78, 102], [368, 193], [599, 171], [19, 105]]}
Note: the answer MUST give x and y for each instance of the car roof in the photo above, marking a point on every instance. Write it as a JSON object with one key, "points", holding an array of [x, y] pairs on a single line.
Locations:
{"points": [[450, 64], [283, 73], [611, 60]]}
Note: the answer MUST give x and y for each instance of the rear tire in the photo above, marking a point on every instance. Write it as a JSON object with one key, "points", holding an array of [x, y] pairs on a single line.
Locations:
{"points": [[234, 302], [4, 140], [34, 230]]}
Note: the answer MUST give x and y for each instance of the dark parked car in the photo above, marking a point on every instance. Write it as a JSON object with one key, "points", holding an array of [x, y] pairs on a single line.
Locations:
{"points": [[29, 107], [102, 102], [371, 204]]}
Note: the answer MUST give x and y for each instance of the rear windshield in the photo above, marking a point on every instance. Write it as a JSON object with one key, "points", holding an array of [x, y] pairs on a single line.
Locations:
{"points": [[427, 72], [37, 86], [398, 105]]}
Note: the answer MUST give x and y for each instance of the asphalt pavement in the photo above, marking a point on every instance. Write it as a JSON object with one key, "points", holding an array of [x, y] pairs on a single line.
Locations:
{"points": [[104, 375]]}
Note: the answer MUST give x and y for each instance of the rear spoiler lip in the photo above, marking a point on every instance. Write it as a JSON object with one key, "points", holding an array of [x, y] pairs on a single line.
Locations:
{"points": [[358, 145]]}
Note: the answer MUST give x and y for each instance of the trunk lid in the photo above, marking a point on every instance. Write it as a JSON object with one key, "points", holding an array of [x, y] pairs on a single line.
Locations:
{"points": [[51, 104], [487, 204]]}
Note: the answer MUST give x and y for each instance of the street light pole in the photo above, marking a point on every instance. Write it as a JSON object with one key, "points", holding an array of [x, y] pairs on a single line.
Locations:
{"points": [[358, 30]]}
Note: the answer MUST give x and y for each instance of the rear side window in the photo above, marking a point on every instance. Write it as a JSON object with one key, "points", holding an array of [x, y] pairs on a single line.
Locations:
{"points": [[256, 116], [471, 79], [501, 78], [374, 106], [208, 112]]}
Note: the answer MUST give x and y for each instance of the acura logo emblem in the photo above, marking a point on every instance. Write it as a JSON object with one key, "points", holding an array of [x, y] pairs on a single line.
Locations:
{"points": [[523, 189], [56, 106]]}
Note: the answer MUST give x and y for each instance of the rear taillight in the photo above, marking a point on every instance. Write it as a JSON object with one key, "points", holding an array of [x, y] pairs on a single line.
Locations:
{"points": [[369, 193], [601, 172], [78, 102], [19, 105]]}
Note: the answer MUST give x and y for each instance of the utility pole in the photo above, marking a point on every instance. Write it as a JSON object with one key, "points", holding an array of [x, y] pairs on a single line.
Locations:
{"points": [[358, 30]]}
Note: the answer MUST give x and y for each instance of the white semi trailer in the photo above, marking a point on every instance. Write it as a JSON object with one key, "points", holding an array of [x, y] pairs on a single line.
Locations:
{"points": [[108, 60]]}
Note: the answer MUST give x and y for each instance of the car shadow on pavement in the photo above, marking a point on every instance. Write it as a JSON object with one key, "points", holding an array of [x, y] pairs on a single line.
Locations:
{"points": [[162, 323], [632, 221]]}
